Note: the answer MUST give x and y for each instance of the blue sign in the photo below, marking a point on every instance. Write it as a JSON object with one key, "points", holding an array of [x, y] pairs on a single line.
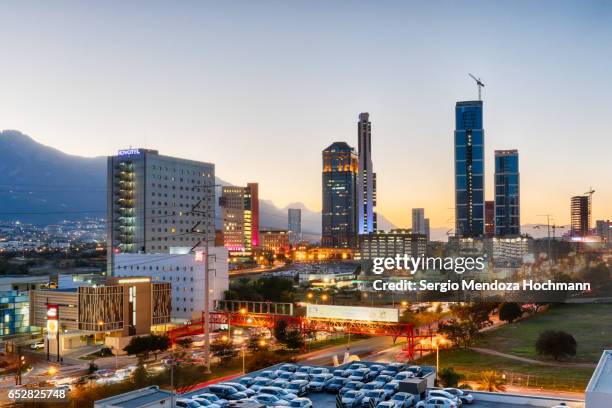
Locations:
{"points": [[128, 152]]}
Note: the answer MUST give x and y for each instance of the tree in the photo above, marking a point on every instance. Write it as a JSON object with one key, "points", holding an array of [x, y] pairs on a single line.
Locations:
{"points": [[449, 377], [280, 330], [140, 375], [294, 340], [224, 349], [93, 367], [144, 345], [556, 343], [510, 311], [492, 382], [460, 333]]}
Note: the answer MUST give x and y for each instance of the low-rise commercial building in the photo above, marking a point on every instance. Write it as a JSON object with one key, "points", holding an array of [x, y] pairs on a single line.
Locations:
{"points": [[113, 312], [185, 272], [276, 241]]}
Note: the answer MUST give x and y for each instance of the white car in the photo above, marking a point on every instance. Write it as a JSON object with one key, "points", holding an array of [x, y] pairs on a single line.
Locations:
{"points": [[464, 396], [375, 396], [436, 402], [403, 400], [269, 400], [403, 375], [212, 398], [206, 403], [301, 403], [37, 345], [444, 394]]}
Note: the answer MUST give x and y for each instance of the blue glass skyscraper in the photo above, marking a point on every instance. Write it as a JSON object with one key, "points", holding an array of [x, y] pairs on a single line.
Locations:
{"points": [[469, 169], [507, 193]]}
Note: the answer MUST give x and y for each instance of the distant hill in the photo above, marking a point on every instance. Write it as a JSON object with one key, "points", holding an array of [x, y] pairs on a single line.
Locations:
{"points": [[42, 185]]}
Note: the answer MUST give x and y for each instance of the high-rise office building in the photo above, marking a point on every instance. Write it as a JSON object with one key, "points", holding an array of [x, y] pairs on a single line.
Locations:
{"points": [[240, 215], [507, 193], [469, 169], [581, 215], [418, 221], [489, 218], [294, 224], [603, 228], [339, 216], [427, 230], [366, 183], [155, 202]]}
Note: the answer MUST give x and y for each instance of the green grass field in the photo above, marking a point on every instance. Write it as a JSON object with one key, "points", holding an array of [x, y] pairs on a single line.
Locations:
{"points": [[590, 324], [471, 364]]}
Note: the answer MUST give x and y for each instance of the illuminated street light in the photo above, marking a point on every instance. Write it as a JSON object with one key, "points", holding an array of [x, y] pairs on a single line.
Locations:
{"points": [[324, 297]]}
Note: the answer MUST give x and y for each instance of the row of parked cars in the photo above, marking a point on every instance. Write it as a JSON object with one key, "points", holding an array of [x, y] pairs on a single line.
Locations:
{"points": [[359, 385]]}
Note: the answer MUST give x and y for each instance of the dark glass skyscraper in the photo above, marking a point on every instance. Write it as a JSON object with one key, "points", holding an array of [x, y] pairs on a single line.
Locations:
{"points": [[339, 216], [507, 193], [469, 169]]}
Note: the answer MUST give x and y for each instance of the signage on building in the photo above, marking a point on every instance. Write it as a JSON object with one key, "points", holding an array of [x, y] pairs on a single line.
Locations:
{"points": [[128, 152], [52, 320], [370, 314]]}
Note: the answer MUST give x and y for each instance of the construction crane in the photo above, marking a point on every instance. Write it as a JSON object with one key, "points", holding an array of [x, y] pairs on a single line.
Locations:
{"points": [[479, 84]]}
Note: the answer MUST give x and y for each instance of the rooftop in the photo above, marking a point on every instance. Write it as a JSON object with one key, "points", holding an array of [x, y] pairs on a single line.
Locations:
{"points": [[137, 398], [601, 381]]}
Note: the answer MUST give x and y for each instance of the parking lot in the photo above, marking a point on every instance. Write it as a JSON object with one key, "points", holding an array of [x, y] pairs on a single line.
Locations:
{"points": [[481, 399]]}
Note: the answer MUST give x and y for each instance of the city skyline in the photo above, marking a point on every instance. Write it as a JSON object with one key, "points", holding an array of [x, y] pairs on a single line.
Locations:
{"points": [[200, 102]]}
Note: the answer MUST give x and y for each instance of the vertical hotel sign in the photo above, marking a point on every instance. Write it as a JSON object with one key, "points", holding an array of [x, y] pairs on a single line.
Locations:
{"points": [[52, 320]]}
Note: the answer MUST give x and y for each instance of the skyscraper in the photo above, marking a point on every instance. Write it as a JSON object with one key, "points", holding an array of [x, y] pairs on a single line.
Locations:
{"points": [[154, 202], [418, 220], [581, 215], [339, 216], [507, 193], [427, 229], [240, 215], [294, 224], [366, 183], [469, 169]]}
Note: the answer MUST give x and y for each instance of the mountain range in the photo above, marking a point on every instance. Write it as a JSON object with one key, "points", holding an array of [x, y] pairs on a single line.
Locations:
{"points": [[43, 185]]}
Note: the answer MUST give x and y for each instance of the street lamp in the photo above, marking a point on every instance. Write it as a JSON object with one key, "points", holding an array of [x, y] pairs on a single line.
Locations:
{"points": [[436, 343]]}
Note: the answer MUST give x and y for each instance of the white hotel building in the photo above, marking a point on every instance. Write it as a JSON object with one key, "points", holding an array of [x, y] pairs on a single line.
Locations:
{"points": [[186, 274]]}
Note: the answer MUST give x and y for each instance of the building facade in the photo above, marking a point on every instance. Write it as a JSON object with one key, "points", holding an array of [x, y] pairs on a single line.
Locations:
{"points": [[366, 182], [276, 241], [382, 244], [185, 272], [509, 251], [155, 202], [240, 216], [469, 169], [14, 313], [339, 215], [294, 224], [418, 220], [507, 193], [490, 218], [580, 215], [603, 228]]}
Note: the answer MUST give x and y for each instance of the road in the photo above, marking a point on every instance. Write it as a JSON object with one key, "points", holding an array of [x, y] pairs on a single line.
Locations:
{"points": [[362, 348]]}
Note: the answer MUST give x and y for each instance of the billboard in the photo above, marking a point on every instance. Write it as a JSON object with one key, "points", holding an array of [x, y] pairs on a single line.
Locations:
{"points": [[52, 320], [370, 314]]}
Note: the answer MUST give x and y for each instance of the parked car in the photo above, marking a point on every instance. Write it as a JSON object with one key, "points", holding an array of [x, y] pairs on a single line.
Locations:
{"points": [[351, 386], [269, 400], [268, 374], [341, 373], [390, 373], [280, 383], [319, 370], [377, 367], [335, 384], [318, 382], [298, 387], [239, 387], [225, 392], [205, 403], [260, 382], [383, 378], [396, 366], [361, 374], [285, 375], [352, 398], [213, 398], [373, 395], [186, 403], [301, 376], [37, 345], [464, 396], [436, 402], [247, 381], [278, 392], [444, 394], [390, 389], [385, 404], [403, 400], [301, 403], [292, 368], [403, 375], [305, 369], [416, 370]]}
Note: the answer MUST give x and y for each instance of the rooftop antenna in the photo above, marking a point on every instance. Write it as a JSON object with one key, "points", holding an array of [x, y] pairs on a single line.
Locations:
{"points": [[479, 84]]}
